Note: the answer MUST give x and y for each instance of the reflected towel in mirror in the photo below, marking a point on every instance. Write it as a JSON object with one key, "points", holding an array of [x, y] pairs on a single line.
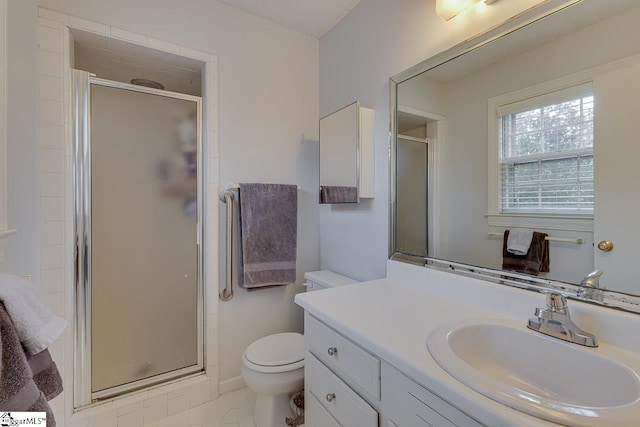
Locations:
{"points": [[536, 261], [337, 194], [519, 241]]}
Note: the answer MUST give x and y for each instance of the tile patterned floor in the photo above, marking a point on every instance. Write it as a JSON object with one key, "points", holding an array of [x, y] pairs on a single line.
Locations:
{"points": [[233, 409]]}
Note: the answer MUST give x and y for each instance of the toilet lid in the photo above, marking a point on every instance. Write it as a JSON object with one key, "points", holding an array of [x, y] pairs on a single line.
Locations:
{"points": [[276, 350]]}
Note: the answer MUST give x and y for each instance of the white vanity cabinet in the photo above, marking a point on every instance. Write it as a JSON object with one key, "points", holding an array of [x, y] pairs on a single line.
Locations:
{"points": [[342, 380], [315, 414], [346, 385], [407, 403]]}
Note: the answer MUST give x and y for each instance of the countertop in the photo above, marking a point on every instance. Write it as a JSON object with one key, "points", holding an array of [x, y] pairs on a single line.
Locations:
{"points": [[392, 318]]}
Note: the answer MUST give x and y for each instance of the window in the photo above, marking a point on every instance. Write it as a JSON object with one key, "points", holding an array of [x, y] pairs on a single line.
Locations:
{"points": [[545, 154]]}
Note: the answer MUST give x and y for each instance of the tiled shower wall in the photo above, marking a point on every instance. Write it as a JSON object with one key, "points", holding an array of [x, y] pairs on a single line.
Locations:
{"points": [[162, 404]]}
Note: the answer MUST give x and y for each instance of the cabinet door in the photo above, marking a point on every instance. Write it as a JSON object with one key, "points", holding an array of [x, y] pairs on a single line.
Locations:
{"points": [[349, 409], [617, 176], [410, 404], [339, 135], [350, 362], [347, 152], [315, 415]]}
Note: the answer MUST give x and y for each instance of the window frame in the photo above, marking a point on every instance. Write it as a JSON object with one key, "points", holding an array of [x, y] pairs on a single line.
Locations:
{"points": [[508, 161], [541, 220]]}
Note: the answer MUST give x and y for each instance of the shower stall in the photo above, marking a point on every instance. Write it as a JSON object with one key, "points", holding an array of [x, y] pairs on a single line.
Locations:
{"points": [[138, 223]]}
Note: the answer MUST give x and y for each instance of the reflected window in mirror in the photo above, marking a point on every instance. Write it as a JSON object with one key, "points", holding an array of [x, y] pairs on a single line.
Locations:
{"points": [[545, 153], [463, 90]]}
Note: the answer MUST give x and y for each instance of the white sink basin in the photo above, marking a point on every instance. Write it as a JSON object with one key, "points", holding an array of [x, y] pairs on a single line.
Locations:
{"points": [[539, 375]]}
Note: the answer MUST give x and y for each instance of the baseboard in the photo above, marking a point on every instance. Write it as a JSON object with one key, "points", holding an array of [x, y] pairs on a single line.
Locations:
{"points": [[232, 384]]}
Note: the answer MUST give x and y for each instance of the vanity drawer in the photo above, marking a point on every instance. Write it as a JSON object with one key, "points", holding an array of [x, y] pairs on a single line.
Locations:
{"points": [[350, 362], [409, 403], [315, 415], [336, 397]]}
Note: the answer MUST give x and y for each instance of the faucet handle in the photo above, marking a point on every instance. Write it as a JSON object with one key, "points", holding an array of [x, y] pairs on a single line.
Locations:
{"points": [[594, 276], [557, 302]]}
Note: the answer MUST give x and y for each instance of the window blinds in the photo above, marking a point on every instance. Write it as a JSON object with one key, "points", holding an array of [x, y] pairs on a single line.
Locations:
{"points": [[546, 153]]}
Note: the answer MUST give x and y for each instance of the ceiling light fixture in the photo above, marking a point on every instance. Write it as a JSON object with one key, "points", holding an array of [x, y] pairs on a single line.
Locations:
{"points": [[447, 9]]}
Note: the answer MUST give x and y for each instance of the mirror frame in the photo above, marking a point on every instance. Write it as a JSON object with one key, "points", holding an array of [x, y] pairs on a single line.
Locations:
{"points": [[617, 300]]}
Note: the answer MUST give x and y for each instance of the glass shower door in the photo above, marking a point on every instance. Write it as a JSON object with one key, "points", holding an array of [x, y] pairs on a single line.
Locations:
{"points": [[142, 250], [412, 236]]}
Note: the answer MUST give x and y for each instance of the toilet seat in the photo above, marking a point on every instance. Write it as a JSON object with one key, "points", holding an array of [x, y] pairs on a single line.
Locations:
{"points": [[275, 353]]}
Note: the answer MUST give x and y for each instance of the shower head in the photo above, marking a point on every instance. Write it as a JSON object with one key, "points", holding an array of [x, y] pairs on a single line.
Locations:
{"points": [[147, 83]]}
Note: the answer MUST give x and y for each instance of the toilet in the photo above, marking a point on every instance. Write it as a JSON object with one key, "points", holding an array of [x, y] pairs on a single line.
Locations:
{"points": [[273, 366]]}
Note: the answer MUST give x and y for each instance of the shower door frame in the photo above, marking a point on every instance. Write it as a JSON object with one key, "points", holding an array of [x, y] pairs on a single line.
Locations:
{"points": [[81, 181]]}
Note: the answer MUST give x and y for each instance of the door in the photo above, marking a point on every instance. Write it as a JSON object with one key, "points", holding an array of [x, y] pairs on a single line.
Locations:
{"points": [[617, 177], [138, 216], [412, 196]]}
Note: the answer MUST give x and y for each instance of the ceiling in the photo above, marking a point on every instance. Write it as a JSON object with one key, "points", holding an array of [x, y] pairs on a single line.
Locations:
{"points": [[121, 61], [529, 37], [313, 17]]}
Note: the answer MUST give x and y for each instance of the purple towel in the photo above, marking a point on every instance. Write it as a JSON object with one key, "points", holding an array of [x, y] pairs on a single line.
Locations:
{"points": [[18, 391], [268, 230], [45, 374], [334, 194]]}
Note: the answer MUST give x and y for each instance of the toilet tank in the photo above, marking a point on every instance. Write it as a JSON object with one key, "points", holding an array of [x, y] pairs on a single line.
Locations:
{"points": [[323, 279]]}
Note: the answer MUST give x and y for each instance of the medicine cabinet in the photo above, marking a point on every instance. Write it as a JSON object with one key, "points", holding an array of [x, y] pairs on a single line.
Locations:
{"points": [[346, 155]]}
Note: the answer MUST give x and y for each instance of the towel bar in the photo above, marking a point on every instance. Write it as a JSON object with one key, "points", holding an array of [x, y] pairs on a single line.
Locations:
{"points": [[237, 186], [227, 198], [576, 240]]}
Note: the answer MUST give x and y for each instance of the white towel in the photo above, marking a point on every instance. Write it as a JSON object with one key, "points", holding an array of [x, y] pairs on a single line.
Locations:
{"points": [[519, 241], [36, 325]]}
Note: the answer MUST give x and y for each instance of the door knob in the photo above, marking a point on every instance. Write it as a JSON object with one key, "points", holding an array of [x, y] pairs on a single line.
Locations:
{"points": [[605, 246]]}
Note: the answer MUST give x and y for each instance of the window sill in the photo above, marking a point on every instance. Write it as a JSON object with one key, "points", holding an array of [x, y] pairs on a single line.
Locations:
{"points": [[545, 222]]}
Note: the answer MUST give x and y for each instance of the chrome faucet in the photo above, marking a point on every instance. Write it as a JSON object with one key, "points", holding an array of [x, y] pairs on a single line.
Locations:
{"points": [[590, 287], [554, 320]]}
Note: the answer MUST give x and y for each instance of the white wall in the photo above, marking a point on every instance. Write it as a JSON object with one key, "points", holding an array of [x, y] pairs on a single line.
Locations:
{"points": [[375, 41], [3, 118], [23, 160], [268, 97], [268, 132]]}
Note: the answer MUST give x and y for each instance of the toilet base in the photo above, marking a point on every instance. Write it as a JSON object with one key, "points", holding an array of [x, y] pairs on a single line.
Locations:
{"points": [[271, 411]]}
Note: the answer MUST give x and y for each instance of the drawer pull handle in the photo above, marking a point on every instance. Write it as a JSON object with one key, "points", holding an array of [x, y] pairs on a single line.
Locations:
{"points": [[330, 397], [332, 351]]}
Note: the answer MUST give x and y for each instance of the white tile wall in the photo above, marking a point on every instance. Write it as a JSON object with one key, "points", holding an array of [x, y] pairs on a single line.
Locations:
{"points": [[52, 136], [50, 39], [188, 402], [51, 112]]}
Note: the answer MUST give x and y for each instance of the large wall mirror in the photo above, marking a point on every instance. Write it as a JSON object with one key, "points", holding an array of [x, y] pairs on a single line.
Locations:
{"points": [[530, 126]]}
